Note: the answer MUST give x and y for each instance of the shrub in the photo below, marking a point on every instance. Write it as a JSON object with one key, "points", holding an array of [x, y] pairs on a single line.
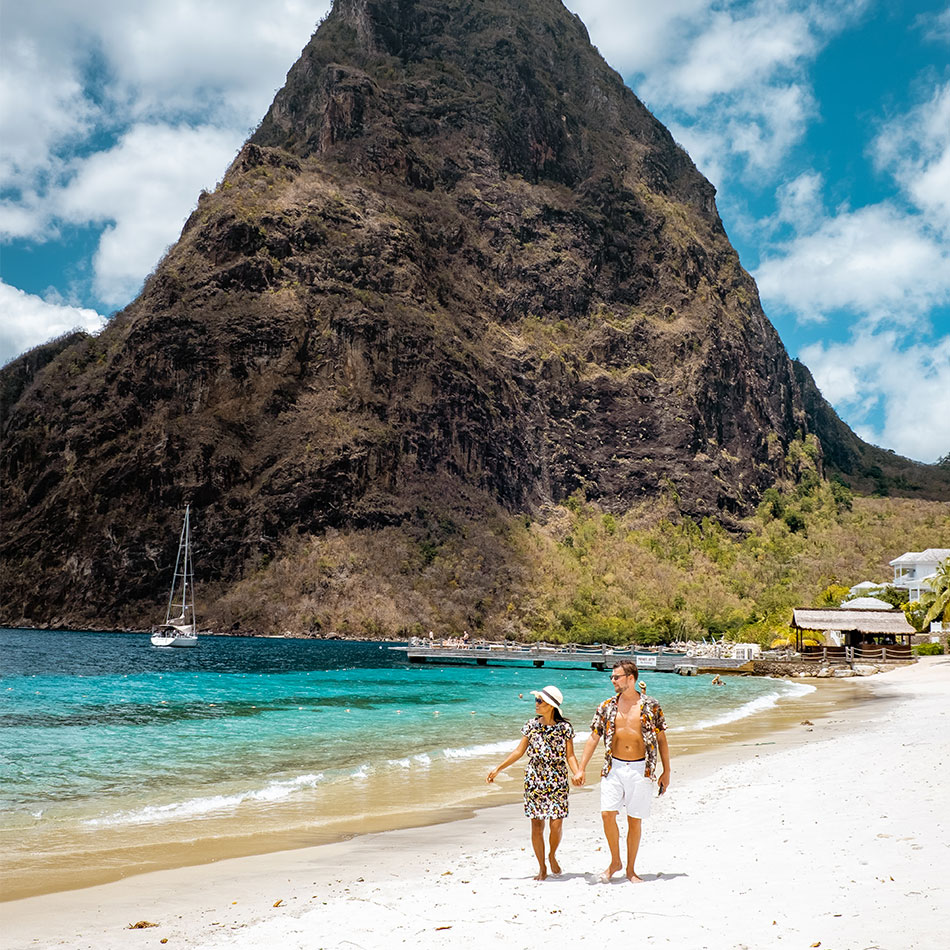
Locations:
{"points": [[915, 613], [843, 496], [928, 649], [795, 522], [833, 595]]}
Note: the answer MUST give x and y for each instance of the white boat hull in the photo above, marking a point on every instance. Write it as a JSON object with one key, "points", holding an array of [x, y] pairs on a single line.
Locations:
{"points": [[174, 640]]}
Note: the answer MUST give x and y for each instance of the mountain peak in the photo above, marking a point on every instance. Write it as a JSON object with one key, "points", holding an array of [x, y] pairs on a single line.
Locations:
{"points": [[515, 86], [458, 270]]}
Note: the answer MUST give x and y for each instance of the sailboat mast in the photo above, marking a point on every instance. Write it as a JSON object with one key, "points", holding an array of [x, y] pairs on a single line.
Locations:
{"points": [[182, 568], [188, 583]]}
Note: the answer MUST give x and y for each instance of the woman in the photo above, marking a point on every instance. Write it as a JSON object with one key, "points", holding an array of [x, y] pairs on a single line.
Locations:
{"points": [[548, 740]]}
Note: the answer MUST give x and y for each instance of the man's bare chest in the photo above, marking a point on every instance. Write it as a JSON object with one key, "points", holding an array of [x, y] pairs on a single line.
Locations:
{"points": [[627, 721]]}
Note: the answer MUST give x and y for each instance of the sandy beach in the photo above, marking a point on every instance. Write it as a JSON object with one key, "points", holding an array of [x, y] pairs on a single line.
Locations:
{"points": [[834, 834]]}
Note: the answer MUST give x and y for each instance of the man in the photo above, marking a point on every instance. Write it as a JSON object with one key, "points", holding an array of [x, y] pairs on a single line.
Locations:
{"points": [[634, 732]]}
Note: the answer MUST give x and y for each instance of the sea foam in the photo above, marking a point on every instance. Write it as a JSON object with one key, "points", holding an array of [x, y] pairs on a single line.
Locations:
{"points": [[207, 805], [757, 705]]}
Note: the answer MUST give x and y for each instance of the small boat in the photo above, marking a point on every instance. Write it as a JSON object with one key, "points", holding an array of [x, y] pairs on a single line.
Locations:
{"points": [[179, 628]]}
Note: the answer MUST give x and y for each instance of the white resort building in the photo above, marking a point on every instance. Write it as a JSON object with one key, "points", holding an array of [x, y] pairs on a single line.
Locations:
{"points": [[914, 570]]}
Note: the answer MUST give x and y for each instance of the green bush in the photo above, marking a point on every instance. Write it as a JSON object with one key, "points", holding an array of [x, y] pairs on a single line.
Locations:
{"points": [[795, 522], [928, 649]]}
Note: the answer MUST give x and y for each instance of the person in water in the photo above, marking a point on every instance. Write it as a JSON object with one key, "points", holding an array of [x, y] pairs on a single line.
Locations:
{"points": [[549, 741], [634, 734]]}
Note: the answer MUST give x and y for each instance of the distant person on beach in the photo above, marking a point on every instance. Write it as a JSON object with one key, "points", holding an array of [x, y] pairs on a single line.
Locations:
{"points": [[717, 681], [549, 741], [634, 733]]}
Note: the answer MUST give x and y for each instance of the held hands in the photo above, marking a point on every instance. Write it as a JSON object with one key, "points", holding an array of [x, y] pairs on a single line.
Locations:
{"points": [[578, 777]]}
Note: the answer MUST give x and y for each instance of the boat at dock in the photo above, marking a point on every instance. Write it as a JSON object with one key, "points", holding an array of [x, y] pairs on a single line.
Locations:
{"points": [[180, 628], [570, 656]]}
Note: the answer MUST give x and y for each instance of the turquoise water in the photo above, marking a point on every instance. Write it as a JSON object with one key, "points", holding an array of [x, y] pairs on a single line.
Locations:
{"points": [[106, 740]]}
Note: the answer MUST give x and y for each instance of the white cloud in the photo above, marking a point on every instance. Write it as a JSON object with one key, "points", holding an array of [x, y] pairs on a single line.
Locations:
{"points": [[910, 379], [729, 76], [181, 55], [162, 56], [800, 202], [58, 111], [157, 96], [29, 320], [734, 54], [915, 148], [875, 260], [142, 190], [635, 36], [764, 124], [890, 260], [91, 70], [936, 26], [22, 218]]}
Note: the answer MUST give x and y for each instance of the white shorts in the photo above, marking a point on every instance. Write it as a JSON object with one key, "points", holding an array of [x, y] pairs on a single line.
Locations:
{"points": [[625, 787]]}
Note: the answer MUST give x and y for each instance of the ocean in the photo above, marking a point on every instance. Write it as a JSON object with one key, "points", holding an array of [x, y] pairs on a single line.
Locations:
{"points": [[116, 756]]}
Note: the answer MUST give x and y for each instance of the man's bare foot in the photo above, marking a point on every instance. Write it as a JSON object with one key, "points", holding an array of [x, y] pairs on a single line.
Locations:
{"points": [[542, 874], [555, 867], [634, 877], [605, 876]]}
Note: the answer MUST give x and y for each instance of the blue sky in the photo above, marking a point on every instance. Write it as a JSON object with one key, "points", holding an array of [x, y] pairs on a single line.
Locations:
{"points": [[824, 125]]}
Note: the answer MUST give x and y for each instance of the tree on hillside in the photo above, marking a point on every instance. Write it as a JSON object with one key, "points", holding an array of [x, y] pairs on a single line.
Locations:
{"points": [[895, 596], [941, 588]]}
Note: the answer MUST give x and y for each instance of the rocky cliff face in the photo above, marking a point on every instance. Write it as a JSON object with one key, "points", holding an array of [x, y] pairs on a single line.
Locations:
{"points": [[458, 268]]}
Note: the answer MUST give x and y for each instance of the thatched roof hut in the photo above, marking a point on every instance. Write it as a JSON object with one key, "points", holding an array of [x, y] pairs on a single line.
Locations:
{"points": [[857, 626]]}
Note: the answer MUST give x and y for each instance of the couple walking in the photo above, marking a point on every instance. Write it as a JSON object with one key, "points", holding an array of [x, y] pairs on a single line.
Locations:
{"points": [[634, 734]]}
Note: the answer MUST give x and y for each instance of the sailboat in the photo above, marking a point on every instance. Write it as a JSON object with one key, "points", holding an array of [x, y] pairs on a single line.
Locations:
{"points": [[179, 628]]}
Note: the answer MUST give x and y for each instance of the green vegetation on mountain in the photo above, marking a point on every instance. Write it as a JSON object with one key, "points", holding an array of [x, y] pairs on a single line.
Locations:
{"points": [[581, 574]]}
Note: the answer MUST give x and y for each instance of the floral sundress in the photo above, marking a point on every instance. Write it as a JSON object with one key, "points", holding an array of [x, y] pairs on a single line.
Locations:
{"points": [[546, 777]]}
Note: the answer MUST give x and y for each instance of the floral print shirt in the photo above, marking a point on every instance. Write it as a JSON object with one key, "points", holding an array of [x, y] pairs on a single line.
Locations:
{"points": [[651, 722]]}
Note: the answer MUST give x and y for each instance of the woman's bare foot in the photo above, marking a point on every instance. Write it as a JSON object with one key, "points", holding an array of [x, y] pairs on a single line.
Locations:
{"points": [[555, 867], [605, 876], [634, 877], [542, 874]]}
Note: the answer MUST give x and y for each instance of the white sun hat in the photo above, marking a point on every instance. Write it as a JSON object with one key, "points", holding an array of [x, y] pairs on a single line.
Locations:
{"points": [[550, 694]]}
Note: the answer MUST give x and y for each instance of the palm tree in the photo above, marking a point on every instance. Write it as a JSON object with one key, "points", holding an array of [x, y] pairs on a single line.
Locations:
{"points": [[940, 586]]}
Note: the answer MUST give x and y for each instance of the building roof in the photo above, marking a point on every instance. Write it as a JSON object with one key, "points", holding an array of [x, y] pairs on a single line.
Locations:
{"points": [[866, 585], [931, 555], [863, 621], [867, 603]]}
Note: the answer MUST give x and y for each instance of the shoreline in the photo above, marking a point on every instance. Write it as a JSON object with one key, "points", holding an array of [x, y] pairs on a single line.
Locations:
{"points": [[467, 796], [831, 853]]}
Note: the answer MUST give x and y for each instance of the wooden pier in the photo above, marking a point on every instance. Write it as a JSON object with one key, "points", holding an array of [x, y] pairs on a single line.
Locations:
{"points": [[569, 657]]}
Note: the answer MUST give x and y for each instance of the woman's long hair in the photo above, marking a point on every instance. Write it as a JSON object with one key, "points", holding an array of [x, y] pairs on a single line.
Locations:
{"points": [[559, 718]]}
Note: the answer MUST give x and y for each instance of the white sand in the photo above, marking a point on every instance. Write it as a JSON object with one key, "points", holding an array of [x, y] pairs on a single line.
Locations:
{"points": [[835, 835]]}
